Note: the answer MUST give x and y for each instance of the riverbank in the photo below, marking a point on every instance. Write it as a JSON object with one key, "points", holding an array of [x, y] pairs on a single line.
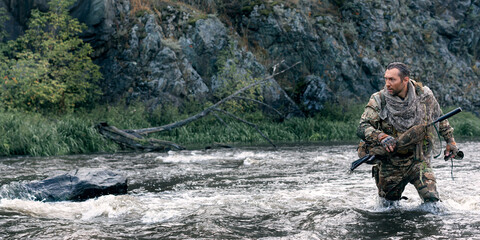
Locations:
{"points": [[39, 135]]}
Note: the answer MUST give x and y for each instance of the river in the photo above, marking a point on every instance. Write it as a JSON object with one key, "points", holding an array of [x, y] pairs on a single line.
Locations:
{"points": [[293, 192]]}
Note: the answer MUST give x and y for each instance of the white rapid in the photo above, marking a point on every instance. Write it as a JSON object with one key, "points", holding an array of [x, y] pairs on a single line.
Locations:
{"points": [[293, 192]]}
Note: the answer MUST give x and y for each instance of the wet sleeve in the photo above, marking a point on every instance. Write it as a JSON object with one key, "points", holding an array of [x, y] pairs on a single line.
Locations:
{"points": [[368, 127], [446, 130], [444, 126]]}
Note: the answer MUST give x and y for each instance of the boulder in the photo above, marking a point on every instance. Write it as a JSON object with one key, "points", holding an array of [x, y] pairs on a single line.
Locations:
{"points": [[77, 185]]}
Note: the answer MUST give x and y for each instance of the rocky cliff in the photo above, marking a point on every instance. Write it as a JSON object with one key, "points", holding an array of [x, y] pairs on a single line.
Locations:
{"points": [[168, 51]]}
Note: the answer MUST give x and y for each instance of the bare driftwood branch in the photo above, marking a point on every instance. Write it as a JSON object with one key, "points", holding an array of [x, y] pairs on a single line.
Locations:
{"points": [[246, 122], [261, 103], [220, 119], [205, 112], [127, 140], [134, 138]]}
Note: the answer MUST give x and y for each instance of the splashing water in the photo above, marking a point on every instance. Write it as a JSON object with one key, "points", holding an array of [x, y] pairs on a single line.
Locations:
{"points": [[294, 192]]}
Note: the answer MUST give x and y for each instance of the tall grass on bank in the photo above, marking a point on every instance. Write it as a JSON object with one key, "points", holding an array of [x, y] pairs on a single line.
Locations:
{"points": [[466, 125], [38, 135], [331, 124], [334, 123]]}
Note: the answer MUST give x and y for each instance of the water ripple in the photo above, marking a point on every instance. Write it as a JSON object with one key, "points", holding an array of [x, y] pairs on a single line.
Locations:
{"points": [[295, 192]]}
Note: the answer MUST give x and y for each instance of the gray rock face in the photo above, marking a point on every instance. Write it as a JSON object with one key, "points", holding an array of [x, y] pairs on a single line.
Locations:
{"points": [[317, 94], [203, 44], [172, 54], [76, 185]]}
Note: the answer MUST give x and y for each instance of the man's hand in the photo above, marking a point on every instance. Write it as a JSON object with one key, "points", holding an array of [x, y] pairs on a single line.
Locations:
{"points": [[387, 141], [451, 150]]}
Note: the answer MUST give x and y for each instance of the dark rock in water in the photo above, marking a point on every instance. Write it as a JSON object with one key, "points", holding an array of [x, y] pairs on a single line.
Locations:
{"points": [[78, 185]]}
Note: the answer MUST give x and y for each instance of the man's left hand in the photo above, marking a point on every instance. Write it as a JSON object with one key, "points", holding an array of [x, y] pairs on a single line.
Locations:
{"points": [[452, 149]]}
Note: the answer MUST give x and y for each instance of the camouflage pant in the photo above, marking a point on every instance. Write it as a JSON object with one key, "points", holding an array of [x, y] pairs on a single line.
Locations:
{"points": [[391, 180]]}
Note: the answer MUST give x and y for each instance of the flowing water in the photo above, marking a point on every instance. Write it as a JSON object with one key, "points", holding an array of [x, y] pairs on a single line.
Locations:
{"points": [[293, 192]]}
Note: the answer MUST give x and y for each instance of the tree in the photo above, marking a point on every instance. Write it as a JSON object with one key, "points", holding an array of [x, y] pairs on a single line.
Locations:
{"points": [[49, 69], [3, 18], [135, 138]]}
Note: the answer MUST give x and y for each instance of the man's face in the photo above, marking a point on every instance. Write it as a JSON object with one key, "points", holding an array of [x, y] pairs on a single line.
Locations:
{"points": [[394, 84]]}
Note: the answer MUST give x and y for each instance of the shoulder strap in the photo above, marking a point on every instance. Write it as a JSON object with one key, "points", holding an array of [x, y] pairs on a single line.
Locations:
{"points": [[383, 101], [380, 99], [419, 91], [418, 87]]}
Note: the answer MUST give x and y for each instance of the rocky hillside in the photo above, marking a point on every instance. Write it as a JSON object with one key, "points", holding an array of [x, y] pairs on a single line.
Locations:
{"points": [[168, 51]]}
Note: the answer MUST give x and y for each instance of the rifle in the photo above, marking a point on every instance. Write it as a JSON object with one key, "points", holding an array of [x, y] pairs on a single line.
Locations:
{"points": [[410, 137]]}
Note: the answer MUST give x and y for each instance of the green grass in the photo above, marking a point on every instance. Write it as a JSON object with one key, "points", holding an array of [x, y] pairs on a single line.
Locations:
{"points": [[39, 135], [466, 125]]}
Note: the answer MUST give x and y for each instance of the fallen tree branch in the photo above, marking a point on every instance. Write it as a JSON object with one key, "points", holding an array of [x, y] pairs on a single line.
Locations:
{"points": [[205, 112], [220, 119], [131, 141], [134, 138], [246, 122], [263, 104]]}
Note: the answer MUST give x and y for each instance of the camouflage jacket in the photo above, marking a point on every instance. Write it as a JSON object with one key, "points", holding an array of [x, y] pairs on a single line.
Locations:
{"points": [[371, 125]]}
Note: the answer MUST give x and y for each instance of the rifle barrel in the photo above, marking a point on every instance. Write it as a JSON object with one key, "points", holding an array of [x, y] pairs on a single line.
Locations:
{"points": [[449, 114]]}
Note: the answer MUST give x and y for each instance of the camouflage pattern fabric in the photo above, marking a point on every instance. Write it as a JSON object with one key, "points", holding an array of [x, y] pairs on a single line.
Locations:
{"points": [[391, 181], [396, 170], [404, 113]]}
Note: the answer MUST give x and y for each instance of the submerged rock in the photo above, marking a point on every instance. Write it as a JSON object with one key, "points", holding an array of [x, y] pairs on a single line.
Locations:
{"points": [[78, 185]]}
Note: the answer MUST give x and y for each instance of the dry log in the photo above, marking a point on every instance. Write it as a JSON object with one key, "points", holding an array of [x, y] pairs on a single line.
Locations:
{"points": [[208, 110], [135, 138], [134, 141]]}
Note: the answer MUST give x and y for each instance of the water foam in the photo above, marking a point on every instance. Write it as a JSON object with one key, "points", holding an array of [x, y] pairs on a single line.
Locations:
{"points": [[108, 206], [184, 157]]}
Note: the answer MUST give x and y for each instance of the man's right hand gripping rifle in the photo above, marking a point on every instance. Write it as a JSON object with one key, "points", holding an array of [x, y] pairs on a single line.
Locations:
{"points": [[415, 135], [387, 141]]}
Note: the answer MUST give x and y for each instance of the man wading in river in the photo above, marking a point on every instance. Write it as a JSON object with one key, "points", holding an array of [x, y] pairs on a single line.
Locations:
{"points": [[402, 104]]}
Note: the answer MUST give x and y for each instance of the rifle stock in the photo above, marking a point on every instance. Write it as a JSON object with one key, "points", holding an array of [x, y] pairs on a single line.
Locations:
{"points": [[366, 159]]}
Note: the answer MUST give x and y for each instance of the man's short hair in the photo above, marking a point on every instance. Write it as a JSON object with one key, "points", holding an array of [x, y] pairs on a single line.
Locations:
{"points": [[404, 72]]}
